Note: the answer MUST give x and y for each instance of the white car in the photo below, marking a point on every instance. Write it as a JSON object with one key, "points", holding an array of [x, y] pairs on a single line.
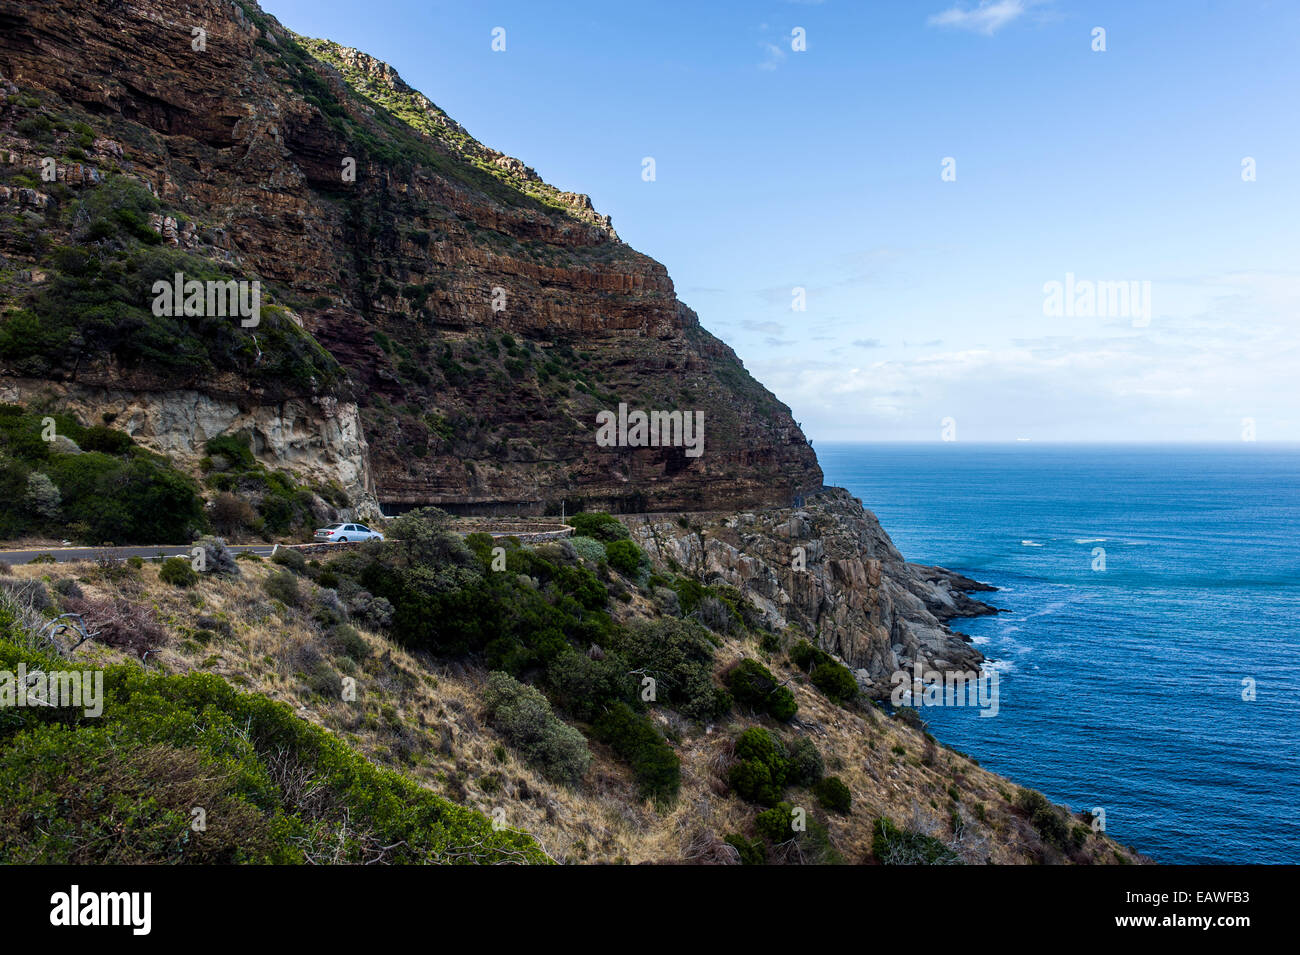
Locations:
{"points": [[342, 533]]}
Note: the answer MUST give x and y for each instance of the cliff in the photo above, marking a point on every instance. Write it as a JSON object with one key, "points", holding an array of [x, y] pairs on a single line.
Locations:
{"points": [[829, 571], [440, 325]]}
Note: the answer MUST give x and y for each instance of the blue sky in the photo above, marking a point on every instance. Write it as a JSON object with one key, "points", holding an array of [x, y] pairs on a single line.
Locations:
{"points": [[821, 169]]}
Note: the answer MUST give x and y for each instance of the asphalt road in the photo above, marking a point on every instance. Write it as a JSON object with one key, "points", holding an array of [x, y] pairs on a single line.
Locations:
{"points": [[119, 553], [180, 550]]}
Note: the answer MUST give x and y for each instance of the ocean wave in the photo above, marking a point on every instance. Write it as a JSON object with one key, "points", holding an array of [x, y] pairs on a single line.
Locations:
{"points": [[1052, 606], [1030, 544]]}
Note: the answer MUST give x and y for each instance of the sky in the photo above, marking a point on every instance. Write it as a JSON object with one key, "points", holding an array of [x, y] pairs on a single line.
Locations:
{"points": [[923, 170]]}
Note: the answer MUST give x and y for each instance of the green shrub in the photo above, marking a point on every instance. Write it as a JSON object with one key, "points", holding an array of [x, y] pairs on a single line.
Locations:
{"points": [[716, 615], [754, 686], [827, 674], [603, 527], [36, 127], [177, 572], [638, 743], [584, 686], [625, 557], [776, 825], [140, 500], [588, 548], [805, 763], [481, 544], [836, 681], [582, 585], [1045, 817], [678, 655], [756, 743], [114, 491], [753, 782], [523, 716], [283, 586], [781, 705], [894, 846], [833, 794], [235, 448], [751, 852], [421, 537], [106, 440], [322, 680], [348, 641], [806, 656], [760, 773], [689, 593], [288, 557]]}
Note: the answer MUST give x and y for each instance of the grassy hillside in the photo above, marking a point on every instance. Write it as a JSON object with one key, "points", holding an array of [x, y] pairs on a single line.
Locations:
{"points": [[518, 692], [186, 769]]}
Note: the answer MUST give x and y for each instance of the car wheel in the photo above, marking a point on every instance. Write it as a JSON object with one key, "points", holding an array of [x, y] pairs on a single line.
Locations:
{"points": [[343, 540]]}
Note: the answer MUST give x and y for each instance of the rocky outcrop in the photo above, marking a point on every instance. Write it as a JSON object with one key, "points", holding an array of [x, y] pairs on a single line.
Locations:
{"points": [[481, 316], [828, 570], [321, 441]]}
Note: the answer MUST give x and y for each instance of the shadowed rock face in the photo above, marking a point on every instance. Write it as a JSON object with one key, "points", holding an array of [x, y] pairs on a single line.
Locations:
{"points": [[856, 596], [481, 317]]}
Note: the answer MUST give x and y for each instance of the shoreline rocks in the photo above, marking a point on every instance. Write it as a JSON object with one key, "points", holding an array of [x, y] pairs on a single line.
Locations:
{"points": [[829, 571]]}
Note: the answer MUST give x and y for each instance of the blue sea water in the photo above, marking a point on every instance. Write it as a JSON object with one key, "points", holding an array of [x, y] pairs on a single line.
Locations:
{"points": [[1121, 688]]}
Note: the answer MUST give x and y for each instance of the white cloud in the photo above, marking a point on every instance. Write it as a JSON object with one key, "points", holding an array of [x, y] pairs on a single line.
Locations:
{"points": [[773, 56], [1195, 379], [987, 18]]}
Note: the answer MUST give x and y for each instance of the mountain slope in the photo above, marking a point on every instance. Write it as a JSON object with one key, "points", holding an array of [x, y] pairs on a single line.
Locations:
{"points": [[441, 328]]}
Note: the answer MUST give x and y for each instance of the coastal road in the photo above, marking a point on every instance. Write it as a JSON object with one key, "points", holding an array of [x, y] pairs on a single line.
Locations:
{"points": [[537, 531], [63, 554]]}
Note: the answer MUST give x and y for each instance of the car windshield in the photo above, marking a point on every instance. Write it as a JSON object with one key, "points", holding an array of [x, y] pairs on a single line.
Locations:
{"points": [[332, 527]]}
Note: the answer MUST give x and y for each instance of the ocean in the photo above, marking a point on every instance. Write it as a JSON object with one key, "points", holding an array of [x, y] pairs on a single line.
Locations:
{"points": [[1149, 589]]}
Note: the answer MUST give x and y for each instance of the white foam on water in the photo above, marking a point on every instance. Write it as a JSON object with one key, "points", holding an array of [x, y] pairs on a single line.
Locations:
{"points": [[1051, 607]]}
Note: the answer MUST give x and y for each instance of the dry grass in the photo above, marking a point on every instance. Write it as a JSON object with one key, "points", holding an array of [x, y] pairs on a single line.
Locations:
{"points": [[423, 716]]}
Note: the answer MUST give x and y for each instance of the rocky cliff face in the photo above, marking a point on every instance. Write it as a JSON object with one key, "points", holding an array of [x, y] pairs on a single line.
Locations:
{"points": [[475, 317], [319, 439], [828, 570]]}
